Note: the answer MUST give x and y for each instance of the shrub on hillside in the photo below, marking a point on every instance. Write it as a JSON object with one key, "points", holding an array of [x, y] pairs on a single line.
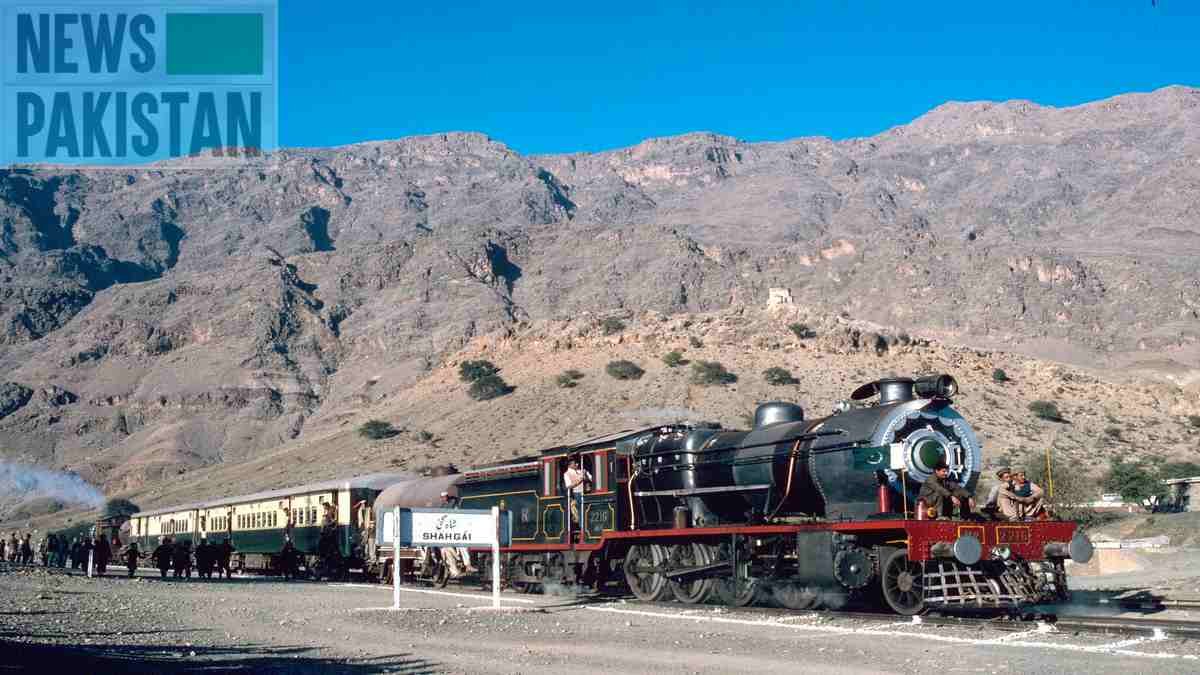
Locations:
{"points": [[488, 387], [1046, 410], [1194, 420], [711, 372], [999, 376], [472, 371], [568, 378], [612, 325], [377, 429], [778, 376], [624, 370], [802, 331], [673, 359]]}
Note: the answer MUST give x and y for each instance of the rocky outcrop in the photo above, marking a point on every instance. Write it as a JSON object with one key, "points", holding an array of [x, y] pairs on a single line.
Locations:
{"points": [[13, 397]]}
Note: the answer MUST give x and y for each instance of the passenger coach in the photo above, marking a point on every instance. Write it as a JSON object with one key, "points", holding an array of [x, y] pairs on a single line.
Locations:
{"points": [[259, 524]]}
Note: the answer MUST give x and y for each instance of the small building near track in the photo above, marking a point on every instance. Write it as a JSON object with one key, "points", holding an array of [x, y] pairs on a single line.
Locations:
{"points": [[1183, 494]]}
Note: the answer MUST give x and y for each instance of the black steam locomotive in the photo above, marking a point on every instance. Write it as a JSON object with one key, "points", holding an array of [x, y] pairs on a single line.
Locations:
{"points": [[801, 512]]}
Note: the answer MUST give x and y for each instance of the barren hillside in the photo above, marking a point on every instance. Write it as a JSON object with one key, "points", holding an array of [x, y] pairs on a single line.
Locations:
{"points": [[176, 329]]}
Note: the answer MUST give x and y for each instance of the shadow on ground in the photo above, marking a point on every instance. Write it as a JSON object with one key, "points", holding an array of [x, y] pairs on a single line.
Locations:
{"points": [[43, 658], [1112, 602]]}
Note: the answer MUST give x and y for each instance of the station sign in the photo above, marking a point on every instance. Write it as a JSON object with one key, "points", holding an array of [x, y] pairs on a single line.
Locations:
{"points": [[447, 527]]}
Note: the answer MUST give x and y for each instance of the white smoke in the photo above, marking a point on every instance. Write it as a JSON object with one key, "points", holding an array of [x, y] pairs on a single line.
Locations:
{"points": [[28, 482]]}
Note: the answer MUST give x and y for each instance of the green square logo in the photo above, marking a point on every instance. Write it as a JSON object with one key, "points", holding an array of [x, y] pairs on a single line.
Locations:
{"points": [[214, 44]]}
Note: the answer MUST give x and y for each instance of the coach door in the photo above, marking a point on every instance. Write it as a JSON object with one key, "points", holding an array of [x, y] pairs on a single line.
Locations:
{"points": [[551, 500]]}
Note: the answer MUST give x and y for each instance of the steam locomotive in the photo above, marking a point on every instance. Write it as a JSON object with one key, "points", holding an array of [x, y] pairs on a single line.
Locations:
{"points": [[800, 512]]}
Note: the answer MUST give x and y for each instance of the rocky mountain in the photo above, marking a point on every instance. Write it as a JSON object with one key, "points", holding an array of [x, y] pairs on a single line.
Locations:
{"points": [[176, 320]]}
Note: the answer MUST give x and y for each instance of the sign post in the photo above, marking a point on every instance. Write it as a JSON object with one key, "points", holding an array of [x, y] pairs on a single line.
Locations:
{"points": [[396, 558], [496, 558], [458, 528]]}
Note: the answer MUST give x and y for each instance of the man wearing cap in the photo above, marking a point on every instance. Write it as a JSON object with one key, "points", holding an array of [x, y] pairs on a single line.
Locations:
{"points": [[1022, 500], [1004, 476], [941, 494]]}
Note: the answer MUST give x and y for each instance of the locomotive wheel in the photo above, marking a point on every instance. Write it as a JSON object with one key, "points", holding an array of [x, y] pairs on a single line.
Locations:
{"points": [[795, 596], [691, 555], [736, 590], [900, 581], [642, 563]]}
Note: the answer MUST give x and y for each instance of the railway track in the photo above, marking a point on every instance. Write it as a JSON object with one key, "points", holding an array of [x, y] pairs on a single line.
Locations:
{"points": [[1101, 625]]}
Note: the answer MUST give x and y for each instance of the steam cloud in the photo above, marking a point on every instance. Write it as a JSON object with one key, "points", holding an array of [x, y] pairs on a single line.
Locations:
{"points": [[27, 481]]}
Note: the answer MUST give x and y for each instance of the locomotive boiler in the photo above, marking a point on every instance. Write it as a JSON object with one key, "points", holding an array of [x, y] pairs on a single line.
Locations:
{"points": [[839, 467]]}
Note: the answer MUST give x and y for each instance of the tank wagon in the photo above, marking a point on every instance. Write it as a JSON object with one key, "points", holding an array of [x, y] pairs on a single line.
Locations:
{"points": [[800, 512]]}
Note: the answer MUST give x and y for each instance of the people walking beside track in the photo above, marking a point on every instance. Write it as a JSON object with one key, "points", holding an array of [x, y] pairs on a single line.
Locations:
{"points": [[225, 554], [181, 559], [102, 553], [131, 557], [163, 555]]}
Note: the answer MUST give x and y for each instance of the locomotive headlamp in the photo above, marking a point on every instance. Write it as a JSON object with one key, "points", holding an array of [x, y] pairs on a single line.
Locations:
{"points": [[936, 386], [928, 453], [1001, 552]]}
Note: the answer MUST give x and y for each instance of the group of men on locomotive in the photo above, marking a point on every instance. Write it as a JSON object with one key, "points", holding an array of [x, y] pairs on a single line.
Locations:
{"points": [[1013, 498]]}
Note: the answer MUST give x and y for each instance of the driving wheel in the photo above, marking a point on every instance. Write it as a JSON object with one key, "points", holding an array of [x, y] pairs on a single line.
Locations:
{"points": [[643, 564], [691, 555], [736, 589]]}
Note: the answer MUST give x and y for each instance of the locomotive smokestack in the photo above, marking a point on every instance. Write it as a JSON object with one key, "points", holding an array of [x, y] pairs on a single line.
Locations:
{"points": [[895, 390]]}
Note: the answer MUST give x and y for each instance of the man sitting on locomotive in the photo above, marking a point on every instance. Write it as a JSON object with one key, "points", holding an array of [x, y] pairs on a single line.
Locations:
{"points": [[574, 479], [992, 505], [1021, 501], [941, 494]]}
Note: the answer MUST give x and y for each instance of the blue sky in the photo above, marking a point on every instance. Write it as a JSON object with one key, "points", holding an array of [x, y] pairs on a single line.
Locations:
{"points": [[563, 77]]}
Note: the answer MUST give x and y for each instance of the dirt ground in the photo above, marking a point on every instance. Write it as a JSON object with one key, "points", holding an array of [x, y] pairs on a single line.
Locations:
{"points": [[60, 621]]}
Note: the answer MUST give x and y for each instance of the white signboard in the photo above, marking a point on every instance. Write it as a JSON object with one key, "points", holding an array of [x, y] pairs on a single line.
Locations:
{"points": [[451, 527]]}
